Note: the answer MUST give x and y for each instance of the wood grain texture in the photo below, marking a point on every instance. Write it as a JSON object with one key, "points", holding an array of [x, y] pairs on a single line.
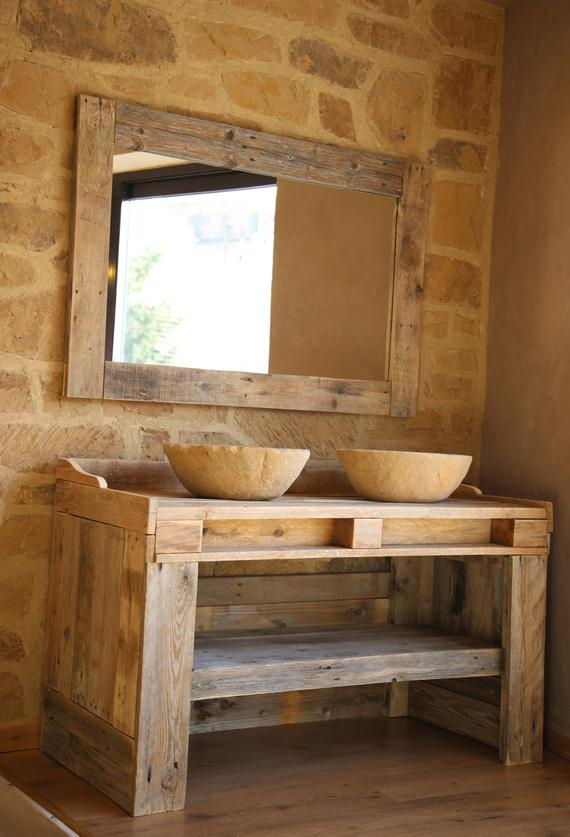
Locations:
{"points": [[235, 665], [522, 693], [280, 617], [88, 746], [89, 243], [359, 533], [249, 711], [520, 533], [455, 712], [164, 691], [377, 778], [198, 140], [119, 508], [468, 598], [178, 536], [411, 239], [183, 385], [15, 737]]}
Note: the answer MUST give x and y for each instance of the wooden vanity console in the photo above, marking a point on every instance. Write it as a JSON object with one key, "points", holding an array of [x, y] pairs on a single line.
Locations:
{"points": [[457, 633]]}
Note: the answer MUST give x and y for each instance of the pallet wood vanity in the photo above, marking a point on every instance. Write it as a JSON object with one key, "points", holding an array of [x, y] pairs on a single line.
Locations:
{"points": [[456, 630]]}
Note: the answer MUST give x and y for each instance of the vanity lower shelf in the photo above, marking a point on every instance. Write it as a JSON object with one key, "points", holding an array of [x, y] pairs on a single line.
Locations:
{"points": [[228, 666]]}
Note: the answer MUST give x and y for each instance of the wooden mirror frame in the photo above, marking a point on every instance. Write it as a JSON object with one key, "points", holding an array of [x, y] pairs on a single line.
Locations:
{"points": [[104, 123]]}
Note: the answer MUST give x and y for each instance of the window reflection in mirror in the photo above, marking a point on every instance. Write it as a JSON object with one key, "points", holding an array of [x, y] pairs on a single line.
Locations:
{"points": [[225, 270]]}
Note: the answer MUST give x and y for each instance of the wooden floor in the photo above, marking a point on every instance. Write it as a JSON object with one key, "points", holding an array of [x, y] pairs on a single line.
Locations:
{"points": [[361, 777]]}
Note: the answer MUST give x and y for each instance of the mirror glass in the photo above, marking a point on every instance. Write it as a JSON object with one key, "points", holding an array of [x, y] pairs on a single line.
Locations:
{"points": [[225, 270]]}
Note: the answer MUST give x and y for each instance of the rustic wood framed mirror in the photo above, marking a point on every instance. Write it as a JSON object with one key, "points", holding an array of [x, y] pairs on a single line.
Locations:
{"points": [[240, 319]]}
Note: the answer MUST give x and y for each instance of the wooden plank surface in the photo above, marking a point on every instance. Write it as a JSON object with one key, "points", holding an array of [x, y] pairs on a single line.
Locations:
{"points": [[523, 629], [292, 588], [165, 684], [331, 552], [289, 506], [183, 385], [220, 144], [455, 712], [119, 508], [228, 666], [411, 238], [89, 247], [178, 536], [279, 617], [249, 711], [87, 745]]}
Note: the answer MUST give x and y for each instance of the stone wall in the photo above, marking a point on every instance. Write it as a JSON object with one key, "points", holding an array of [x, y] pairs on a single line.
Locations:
{"points": [[416, 77]]}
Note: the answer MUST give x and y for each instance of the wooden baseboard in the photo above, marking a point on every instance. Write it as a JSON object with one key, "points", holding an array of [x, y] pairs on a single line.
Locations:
{"points": [[20, 737], [557, 743]]}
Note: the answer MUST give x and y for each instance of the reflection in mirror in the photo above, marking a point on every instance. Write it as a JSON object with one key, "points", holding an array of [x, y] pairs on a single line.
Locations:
{"points": [[225, 270]]}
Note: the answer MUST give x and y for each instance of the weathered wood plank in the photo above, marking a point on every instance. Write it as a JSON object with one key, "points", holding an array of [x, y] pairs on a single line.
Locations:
{"points": [[165, 683], [454, 711], [290, 615], [182, 385], [522, 692], [527, 533], [358, 533], [178, 536], [411, 238], [198, 140], [249, 711], [136, 547], [87, 745], [89, 248], [228, 666], [468, 598], [119, 508]]}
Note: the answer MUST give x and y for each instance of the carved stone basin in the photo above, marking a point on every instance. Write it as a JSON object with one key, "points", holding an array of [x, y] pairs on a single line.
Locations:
{"points": [[231, 472], [404, 476]]}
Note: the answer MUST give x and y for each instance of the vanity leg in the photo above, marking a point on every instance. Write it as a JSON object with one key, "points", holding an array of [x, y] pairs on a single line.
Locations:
{"points": [[411, 603], [163, 723], [522, 685]]}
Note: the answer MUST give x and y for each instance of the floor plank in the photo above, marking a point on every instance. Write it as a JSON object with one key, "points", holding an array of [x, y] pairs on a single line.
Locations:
{"points": [[397, 778], [20, 816]]}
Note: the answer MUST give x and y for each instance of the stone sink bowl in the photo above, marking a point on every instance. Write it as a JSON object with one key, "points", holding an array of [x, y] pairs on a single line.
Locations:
{"points": [[402, 476], [232, 472]]}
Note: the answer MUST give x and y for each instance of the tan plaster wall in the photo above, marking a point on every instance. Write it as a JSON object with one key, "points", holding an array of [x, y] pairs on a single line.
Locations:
{"points": [[418, 77], [332, 281], [526, 442]]}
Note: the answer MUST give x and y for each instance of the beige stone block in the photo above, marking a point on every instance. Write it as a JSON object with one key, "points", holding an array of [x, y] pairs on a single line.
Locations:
{"points": [[459, 155], [11, 647], [460, 360], [384, 36], [468, 326], [32, 325], [23, 153], [463, 95], [192, 87], [218, 41], [15, 393], [272, 95], [435, 324], [452, 281], [441, 387], [31, 447], [319, 58], [26, 533], [457, 215], [151, 442], [462, 29], [39, 91], [15, 270], [121, 31], [16, 590], [320, 12], [11, 697], [30, 226], [395, 110], [396, 8], [336, 116]]}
